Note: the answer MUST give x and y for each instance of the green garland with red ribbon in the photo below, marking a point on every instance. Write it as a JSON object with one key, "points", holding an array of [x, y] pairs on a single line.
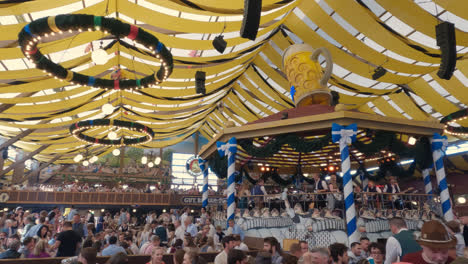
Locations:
{"points": [[78, 129], [33, 32], [452, 118]]}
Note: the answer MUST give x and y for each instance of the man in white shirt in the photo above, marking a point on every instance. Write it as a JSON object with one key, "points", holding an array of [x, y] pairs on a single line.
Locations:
{"points": [[228, 244], [179, 231], [401, 243]]}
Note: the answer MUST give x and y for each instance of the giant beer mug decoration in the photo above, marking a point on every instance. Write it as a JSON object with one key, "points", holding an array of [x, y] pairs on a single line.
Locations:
{"points": [[306, 77]]}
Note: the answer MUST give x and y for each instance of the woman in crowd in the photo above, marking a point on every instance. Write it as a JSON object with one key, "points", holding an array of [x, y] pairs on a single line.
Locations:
{"points": [[189, 245], [40, 250], [42, 233], [157, 256], [178, 257], [208, 245], [144, 235]]}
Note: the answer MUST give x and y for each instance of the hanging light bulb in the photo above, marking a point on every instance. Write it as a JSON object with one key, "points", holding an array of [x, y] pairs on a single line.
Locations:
{"points": [[85, 163], [116, 152], [157, 161], [112, 135], [144, 160], [93, 159], [99, 56], [150, 164], [107, 109], [78, 158]]}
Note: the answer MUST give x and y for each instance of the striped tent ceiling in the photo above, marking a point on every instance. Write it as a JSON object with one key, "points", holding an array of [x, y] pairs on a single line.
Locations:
{"points": [[244, 83]]}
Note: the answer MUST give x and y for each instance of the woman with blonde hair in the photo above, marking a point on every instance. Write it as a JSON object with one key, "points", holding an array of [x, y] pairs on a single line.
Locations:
{"points": [[157, 256], [208, 245], [40, 250], [144, 235]]}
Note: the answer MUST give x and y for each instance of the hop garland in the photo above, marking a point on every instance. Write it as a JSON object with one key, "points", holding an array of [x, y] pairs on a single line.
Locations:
{"points": [[33, 32]]}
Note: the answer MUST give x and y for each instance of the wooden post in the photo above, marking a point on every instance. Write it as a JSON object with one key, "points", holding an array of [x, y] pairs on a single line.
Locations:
{"points": [[122, 159], [197, 138]]}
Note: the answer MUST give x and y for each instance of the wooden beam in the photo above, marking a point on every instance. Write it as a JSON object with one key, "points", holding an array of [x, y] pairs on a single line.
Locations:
{"points": [[16, 138], [35, 173], [64, 167], [26, 157]]}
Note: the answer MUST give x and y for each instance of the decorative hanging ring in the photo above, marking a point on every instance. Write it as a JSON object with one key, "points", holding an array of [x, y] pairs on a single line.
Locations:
{"points": [[32, 33], [78, 129], [453, 118]]}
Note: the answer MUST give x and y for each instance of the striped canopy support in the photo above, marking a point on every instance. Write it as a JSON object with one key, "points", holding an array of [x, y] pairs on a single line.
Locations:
{"points": [[439, 145], [345, 135], [427, 182], [229, 149], [204, 169]]}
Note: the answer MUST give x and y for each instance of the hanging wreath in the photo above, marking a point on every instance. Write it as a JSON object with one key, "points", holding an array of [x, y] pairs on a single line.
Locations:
{"points": [[453, 118], [78, 129], [33, 32]]}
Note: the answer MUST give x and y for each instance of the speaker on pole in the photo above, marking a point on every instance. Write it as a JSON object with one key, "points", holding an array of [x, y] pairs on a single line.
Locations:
{"points": [[200, 77], [251, 21], [445, 36]]}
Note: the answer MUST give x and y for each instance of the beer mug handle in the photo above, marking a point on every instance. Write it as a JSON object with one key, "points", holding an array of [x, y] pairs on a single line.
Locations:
{"points": [[328, 67]]}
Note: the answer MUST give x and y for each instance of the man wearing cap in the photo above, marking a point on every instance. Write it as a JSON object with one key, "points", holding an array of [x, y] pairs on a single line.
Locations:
{"points": [[435, 242]]}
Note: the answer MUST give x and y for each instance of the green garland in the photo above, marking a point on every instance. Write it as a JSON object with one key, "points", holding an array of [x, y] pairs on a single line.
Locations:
{"points": [[77, 130], [294, 141], [382, 140], [32, 33], [454, 117]]}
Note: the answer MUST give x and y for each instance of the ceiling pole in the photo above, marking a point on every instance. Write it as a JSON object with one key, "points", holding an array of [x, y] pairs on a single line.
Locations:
{"points": [[26, 157]]}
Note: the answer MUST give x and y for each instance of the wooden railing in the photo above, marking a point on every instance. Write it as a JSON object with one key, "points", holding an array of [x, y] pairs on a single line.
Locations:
{"points": [[108, 198]]}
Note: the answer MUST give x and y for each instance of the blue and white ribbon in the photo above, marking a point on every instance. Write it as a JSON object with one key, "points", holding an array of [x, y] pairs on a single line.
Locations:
{"points": [[427, 182], [439, 145], [204, 169], [346, 135], [229, 149]]}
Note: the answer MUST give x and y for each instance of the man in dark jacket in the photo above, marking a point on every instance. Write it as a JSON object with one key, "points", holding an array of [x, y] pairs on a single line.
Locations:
{"points": [[12, 252]]}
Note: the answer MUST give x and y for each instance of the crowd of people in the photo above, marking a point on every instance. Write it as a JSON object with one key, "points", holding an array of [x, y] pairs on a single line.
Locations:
{"points": [[82, 237]]}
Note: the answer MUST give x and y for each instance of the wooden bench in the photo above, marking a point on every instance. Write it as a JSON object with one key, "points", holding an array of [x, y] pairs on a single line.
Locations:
{"points": [[254, 243]]}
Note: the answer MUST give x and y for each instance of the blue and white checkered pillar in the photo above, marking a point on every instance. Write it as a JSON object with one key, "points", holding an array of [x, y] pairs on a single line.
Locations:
{"points": [[346, 135], [204, 169], [229, 149], [439, 145], [427, 182]]}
